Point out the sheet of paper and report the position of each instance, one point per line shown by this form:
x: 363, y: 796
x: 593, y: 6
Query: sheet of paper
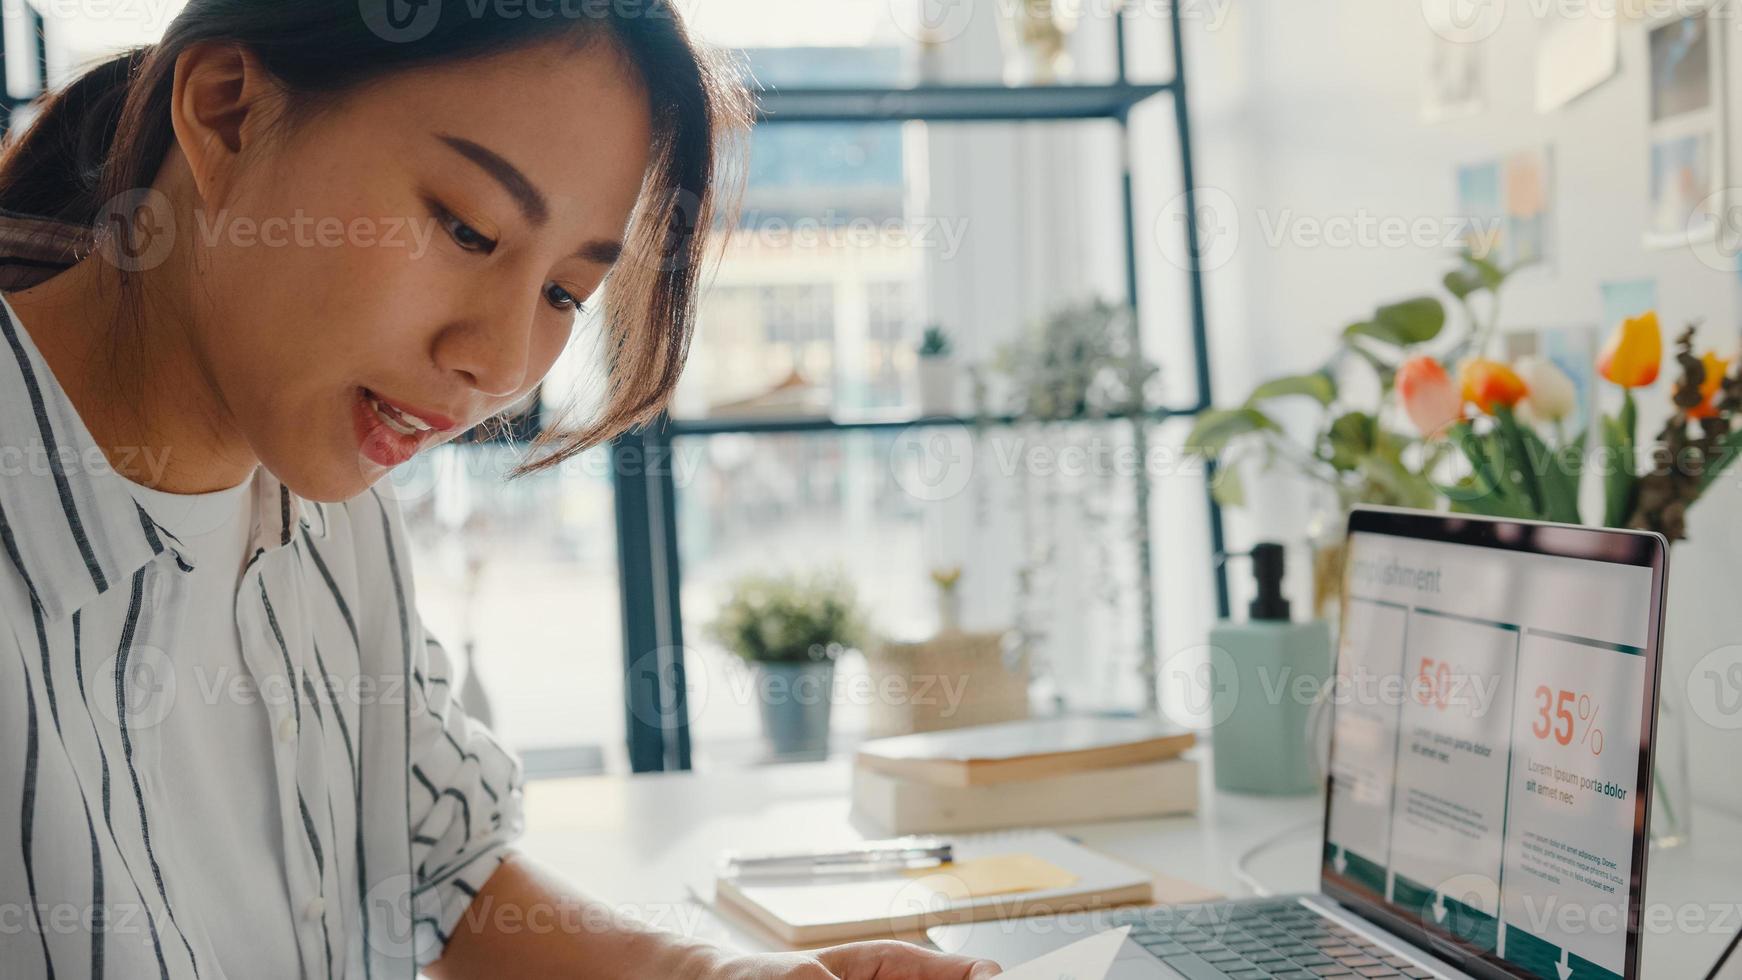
x: 1088, y: 959
x: 996, y: 874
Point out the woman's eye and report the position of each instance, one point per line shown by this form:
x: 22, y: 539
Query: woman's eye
x: 562, y: 299
x: 467, y: 237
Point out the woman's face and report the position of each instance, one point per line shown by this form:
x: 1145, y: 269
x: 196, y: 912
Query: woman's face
x: 419, y: 250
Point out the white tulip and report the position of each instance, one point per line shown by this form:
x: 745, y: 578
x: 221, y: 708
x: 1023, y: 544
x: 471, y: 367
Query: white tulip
x: 1552, y: 395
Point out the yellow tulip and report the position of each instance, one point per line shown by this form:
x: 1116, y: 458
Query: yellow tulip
x: 1490, y: 384
x: 1634, y: 353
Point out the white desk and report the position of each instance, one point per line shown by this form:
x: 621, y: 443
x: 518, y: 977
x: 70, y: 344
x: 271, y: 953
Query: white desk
x: 640, y: 842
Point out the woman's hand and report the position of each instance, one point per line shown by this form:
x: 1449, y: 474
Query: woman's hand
x: 859, y: 961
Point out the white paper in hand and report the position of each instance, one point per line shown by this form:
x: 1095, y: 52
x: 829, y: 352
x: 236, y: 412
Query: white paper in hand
x: 1089, y: 959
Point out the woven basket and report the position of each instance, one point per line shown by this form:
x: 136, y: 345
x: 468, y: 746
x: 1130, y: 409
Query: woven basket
x: 954, y: 680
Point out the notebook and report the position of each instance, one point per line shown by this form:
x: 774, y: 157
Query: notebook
x: 1022, y: 750
x: 1000, y: 876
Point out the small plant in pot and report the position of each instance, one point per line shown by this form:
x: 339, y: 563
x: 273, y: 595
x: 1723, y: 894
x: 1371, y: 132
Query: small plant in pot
x: 937, y: 372
x: 789, y: 630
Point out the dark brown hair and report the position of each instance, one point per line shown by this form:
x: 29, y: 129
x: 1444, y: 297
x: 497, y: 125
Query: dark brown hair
x: 102, y: 139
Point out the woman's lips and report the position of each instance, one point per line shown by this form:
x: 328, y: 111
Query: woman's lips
x: 379, y: 442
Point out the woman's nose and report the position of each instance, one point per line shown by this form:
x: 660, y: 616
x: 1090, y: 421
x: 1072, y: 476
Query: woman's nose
x: 488, y: 351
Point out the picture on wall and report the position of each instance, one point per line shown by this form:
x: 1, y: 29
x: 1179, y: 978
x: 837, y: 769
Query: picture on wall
x: 1479, y: 206
x: 1681, y: 67
x: 1529, y: 200
x: 1683, y: 175
x: 1508, y: 208
x: 1686, y: 130
x: 1456, y: 86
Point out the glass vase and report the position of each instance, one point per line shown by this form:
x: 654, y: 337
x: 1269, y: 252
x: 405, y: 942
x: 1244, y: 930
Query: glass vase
x: 1672, y: 794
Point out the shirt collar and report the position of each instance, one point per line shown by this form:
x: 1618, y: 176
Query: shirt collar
x: 68, y: 521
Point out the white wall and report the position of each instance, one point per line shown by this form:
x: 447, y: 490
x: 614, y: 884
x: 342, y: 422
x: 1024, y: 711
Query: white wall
x: 1313, y: 107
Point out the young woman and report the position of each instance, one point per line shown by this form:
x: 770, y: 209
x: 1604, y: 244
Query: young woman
x: 246, y: 271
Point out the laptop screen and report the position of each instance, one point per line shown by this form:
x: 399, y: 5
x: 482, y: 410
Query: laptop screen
x: 1490, y: 715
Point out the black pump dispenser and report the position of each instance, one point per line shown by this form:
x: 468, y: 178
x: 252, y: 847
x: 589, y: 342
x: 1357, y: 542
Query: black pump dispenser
x: 1267, y: 568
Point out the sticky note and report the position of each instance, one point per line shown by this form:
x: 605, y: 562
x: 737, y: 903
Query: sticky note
x: 997, y: 874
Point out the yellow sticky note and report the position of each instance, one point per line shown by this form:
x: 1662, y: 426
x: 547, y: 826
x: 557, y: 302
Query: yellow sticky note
x: 998, y: 874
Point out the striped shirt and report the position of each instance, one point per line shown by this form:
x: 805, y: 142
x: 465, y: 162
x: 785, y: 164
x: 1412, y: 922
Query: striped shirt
x: 393, y: 806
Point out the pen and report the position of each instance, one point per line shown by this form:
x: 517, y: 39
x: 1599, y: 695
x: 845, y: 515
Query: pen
x: 911, y: 852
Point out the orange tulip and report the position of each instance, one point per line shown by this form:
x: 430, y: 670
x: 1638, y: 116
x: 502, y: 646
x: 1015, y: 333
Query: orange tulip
x: 1427, y: 395
x: 1491, y: 384
x: 1716, y: 368
x: 1634, y: 352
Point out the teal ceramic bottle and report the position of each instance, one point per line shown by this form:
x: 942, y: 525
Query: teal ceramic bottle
x: 1270, y: 674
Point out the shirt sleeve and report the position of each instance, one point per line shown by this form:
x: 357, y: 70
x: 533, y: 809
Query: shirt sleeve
x: 466, y: 803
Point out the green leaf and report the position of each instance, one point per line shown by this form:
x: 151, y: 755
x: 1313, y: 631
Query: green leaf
x: 1560, y: 480
x: 1318, y: 386
x: 1462, y: 283
x: 1619, y: 480
x: 1486, y: 490
x: 1386, y: 370
x: 1517, y: 462
x: 1721, y: 460
x: 1351, y: 436
x: 1404, y: 324
x: 1490, y: 274
x: 1471, y: 497
x: 1220, y: 426
x: 1228, y: 488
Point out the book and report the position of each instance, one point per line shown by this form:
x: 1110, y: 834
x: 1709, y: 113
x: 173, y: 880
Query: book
x: 994, y: 876
x: 904, y: 806
x: 1023, y: 750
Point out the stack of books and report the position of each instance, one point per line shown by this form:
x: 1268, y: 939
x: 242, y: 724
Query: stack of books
x: 1038, y: 773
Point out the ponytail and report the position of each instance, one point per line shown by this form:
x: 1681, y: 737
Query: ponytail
x: 55, y: 167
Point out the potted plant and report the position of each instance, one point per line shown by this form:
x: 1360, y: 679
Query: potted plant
x: 955, y: 679
x: 949, y: 598
x: 1036, y: 35
x: 937, y: 373
x: 789, y: 630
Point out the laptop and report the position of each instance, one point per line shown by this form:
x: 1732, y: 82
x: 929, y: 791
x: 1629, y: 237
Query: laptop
x: 1730, y: 964
x: 1493, y: 714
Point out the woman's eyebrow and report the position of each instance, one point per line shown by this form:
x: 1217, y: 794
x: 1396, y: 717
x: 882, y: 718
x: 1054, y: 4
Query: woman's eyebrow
x: 530, y: 200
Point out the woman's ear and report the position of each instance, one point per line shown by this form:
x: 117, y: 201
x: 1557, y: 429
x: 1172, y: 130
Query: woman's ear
x: 220, y: 102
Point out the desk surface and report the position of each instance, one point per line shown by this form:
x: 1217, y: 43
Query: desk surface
x: 641, y: 843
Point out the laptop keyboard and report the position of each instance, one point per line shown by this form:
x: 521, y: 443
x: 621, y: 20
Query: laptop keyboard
x: 1279, y: 940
